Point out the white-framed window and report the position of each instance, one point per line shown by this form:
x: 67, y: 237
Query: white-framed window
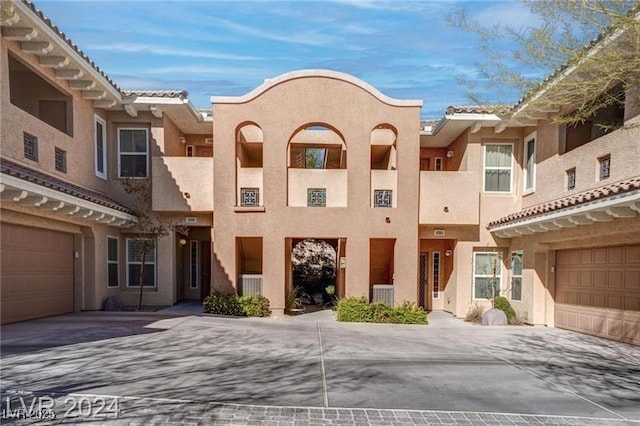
x: 113, y: 269
x: 438, y: 164
x: 516, y: 275
x: 436, y: 274
x: 529, y: 163
x: 487, y: 274
x: 498, y: 167
x: 133, y: 150
x: 316, y: 197
x: 194, y: 276
x: 382, y: 198
x: 135, y: 248
x: 100, y: 145
x: 189, y: 150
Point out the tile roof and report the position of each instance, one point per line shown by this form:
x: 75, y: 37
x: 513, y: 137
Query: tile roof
x: 68, y: 41
x: 478, y: 109
x: 181, y: 94
x: 616, y: 188
x: 28, y: 174
x: 428, y: 123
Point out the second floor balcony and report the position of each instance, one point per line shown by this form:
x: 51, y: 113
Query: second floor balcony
x: 182, y: 183
x: 449, y: 198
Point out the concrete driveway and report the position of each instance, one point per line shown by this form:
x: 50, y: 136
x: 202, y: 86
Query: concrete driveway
x: 155, y: 361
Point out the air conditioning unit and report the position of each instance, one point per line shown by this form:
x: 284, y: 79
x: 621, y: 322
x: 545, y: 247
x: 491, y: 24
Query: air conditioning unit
x: 383, y: 293
x: 250, y: 284
x: 208, y: 141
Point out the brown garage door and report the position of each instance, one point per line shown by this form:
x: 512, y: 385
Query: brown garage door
x: 598, y: 291
x: 37, y: 273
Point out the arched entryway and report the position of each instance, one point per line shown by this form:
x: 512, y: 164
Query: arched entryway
x: 314, y: 272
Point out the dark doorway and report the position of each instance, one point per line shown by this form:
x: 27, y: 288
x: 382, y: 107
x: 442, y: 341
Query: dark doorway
x: 314, y: 266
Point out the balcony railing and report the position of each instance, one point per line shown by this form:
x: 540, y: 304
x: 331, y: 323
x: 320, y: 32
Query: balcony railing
x: 182, y: 183
x: 450, y: 198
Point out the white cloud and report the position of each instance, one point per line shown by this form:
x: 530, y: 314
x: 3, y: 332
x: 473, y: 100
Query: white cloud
x: 514, y: 14
x: 165, y: 51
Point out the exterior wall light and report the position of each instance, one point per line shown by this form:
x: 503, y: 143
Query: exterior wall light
x: 448, y: 252
x: 449, y: 154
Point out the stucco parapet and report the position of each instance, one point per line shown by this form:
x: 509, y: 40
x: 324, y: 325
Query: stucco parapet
x: 315, y: 73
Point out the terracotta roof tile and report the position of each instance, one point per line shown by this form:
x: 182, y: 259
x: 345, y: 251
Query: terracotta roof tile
x: 498, y: 109
x: 181, y: 94
x: 615, y: 188
x: 28, y: 174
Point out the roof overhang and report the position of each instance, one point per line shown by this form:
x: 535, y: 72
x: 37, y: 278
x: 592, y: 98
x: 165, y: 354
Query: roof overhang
x: 180, y: 110
x: 452, y: 125
x: 29, y: 194
x: 601, y: 210
x: 36, y: 35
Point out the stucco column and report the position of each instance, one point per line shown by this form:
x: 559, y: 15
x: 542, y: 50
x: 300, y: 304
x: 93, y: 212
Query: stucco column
x: 357, y: 271
x: 406, y: 270
x: 274, y: 266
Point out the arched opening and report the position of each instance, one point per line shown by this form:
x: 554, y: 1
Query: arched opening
x: 317, y: 163
x: 249, y: 142
x: 313, y: 272
x: 383, y: 166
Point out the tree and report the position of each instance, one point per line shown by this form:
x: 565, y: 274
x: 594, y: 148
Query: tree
x: 314, y: 265
x: 150, y: 226
x: 584, y: 48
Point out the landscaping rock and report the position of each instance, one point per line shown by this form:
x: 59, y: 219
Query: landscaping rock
x: 494, y: 317
x: 113, y: 303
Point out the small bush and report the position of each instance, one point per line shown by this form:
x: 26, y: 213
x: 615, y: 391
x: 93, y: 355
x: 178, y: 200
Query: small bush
x: 475, y: 313
x: 503, y: 304
x: 255, y: 305
x: 231, y: 304
x: 358, y: 309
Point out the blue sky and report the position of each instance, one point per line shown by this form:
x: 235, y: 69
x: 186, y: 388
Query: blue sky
x: 405, y: 49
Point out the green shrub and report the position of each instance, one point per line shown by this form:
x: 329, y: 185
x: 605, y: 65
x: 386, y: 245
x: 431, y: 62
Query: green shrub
x: 354, y: 309
x: 255, y: 305
x: 358, y: 309
x: 503, y: 304
x: 231, y: 304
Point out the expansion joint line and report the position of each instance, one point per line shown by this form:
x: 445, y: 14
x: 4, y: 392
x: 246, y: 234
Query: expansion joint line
x: 325, y: 394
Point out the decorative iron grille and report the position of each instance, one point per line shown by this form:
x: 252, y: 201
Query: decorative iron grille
x: 382, y: 198
x: 316, y: 197
x: 249, y: 197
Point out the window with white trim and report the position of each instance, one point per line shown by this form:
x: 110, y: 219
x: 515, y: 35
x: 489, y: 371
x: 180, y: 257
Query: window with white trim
x: 438, y: 164
x: 487, y: 274
x: 135, y: 250
x: 100, y: 143
x: 516, y: 275
x: 529, y: 163
x: 193, y: 262
x: 498, y: 167
x: 133, y: 150
x: 112, y: 262
x: 436, y: 275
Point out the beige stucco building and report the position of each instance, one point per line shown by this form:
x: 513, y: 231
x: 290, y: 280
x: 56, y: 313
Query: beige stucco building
x: 426, y: 212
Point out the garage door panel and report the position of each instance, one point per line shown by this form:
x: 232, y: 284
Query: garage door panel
x: 37, y: 273
x: 601, y: 294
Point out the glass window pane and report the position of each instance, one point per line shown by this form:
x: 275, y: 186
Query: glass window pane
x: 126, y: 140
x: 516, y: 288
x: 140, y: 140
x: 315, y: 158
x: 484, y: 288
x: 112, y: 249
x: 516, y: 264
x: 498, y: 155
x: 113, y: 275
x: 133, y: 165
x: 497, y: 180
x: 149, y: 275
x: 485, y: 263
x: 135, y: 248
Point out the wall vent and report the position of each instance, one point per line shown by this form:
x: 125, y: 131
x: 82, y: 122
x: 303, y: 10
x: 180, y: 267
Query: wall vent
x: 250, y: 284
x: 208, y: 141
x: 383, y: 293
x: 191, y: 219
x: 438, y: 232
